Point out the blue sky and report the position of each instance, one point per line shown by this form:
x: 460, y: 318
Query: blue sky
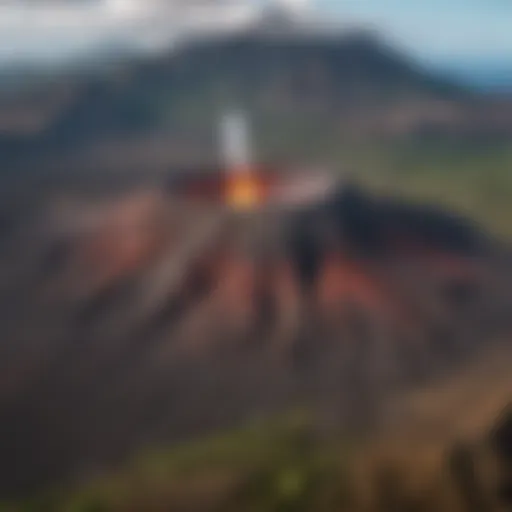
x: 440, y: 29
x: 437, y: 30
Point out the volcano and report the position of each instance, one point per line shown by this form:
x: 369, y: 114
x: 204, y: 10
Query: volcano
x: 156, y: 316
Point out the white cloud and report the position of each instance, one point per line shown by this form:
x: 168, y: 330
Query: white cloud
x: 31, y: 28
x: 54, y: 28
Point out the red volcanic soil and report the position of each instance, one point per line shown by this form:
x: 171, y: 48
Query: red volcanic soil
x: 343, y: 280
x: 153, y: 318
x: 334, y: 254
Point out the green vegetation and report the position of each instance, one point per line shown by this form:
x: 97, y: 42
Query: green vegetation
x: 288, y: 465
x: 274, y: 469
x: 472, y: 180
x: 273, y: 466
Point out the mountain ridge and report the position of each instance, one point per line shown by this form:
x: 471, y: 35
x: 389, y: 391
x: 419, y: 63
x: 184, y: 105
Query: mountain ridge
x: 278, y: 76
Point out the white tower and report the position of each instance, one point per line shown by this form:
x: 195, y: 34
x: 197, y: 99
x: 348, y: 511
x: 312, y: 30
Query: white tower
x: 235, y: 141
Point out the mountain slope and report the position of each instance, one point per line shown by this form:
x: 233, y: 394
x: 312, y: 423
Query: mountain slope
x: 153, y: 320
x: 293, y: 79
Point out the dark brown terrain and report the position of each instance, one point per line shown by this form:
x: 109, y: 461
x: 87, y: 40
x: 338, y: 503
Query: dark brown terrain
x: 145, y: 318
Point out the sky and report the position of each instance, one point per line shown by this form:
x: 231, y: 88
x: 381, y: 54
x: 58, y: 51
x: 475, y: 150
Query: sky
x: 441, y: 29
x: 431, y: 29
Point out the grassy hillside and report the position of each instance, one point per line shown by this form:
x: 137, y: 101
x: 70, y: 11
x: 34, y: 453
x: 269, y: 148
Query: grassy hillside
x: 184, y: 90
x: 421, y: 459
x: 473, y: 180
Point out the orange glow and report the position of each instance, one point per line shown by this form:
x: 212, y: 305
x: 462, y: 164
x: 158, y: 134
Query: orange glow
x: 244, y: 190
